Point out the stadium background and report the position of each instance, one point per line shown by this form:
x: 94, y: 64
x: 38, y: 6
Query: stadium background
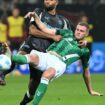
x: 73, y: 10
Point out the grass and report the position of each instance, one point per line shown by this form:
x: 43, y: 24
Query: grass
x: 66, y: 90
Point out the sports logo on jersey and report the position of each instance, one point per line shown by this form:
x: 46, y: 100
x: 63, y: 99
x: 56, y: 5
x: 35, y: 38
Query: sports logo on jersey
x: 70, y: 56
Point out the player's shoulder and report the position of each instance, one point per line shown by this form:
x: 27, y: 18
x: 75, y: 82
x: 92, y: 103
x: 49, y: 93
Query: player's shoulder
x: 67, y: 22
x: 62, y: 17
x: 39, y: 10
x: 64, y: 31
x: 86, y: 50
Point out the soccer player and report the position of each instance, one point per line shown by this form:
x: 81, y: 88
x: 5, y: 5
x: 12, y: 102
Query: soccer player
x: 39, y: 40
x: 59, y: 55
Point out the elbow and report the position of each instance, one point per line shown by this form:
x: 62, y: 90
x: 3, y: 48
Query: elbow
x: 32, y: 30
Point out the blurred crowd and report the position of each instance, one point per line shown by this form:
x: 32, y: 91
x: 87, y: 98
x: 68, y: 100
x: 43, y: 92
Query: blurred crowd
x: 12, y: 29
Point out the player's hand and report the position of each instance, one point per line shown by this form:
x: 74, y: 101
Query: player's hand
x: 83, y: 43
x: 57, y: 38
x: 94, y: 93
x: 5, y: 44
x: 29, y: 14
x: 4, y: 47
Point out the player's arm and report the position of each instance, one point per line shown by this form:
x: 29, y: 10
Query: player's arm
x: 86, y: 75
x: 33, y: 29
x: 87, y: 79
x: 42, y: 26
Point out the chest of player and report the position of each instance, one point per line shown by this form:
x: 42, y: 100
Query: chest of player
x: 70, y: 46
x: 72, y: 54
x: 52, y: 20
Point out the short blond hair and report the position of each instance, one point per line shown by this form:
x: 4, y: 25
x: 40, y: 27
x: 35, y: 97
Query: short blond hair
x: 84, y: 24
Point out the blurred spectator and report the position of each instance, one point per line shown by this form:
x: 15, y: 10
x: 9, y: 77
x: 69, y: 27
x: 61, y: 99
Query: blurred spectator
x: 6, y: 5
x: 15, y: 28
x: 32, y: 1
x: 84, y: 2
x: 80, y: 1
x: 3, y: 31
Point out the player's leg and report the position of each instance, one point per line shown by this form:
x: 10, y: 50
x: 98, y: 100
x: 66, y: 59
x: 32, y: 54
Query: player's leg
x: 55, y: 68
x: 35, y: 76
x: 4, y: 73
x: 25, y: 48
x: 13, y: 65
x: 33, y: 84
x: 2, y: 82
x: 25, y: 59
x: 6, y: 51
x: 42, y: 88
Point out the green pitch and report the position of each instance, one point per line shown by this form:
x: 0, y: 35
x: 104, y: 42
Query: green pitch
x: 66, y: 90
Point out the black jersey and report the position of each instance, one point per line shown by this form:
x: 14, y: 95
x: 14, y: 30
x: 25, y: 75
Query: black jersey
x: 52, y: 21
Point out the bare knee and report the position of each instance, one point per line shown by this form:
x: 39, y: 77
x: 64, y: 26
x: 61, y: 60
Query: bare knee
x: 49, y: 74
x: 34, y: 59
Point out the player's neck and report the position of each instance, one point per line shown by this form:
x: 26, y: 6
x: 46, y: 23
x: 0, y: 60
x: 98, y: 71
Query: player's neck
x: 52, y: 12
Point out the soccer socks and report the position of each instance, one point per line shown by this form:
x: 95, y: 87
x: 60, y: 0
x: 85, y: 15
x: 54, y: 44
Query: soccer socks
x: 27, y: 98
x: 20, y: 59
x: 41, y: 90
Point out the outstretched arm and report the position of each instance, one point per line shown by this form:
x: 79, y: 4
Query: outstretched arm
x: 87, y: 79
x: 86, y: 73
x: 33, y: 30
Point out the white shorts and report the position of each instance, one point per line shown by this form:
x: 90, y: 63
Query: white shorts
x: 47, y: 60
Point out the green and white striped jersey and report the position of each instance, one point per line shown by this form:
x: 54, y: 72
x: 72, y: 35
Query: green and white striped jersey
x: 69, y: 50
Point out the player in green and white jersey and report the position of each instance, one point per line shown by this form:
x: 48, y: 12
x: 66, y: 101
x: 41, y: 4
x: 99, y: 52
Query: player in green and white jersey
x: 59, y: 55
x: 68, y: 48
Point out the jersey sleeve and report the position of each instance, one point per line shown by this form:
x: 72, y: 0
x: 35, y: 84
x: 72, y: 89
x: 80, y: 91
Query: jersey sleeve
x: 85, y: 58
x: 65, y: 33
x: 38, y: 12
x: 72, y: 26
x: 68, y: 24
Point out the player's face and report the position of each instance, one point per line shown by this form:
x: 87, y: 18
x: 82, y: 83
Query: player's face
x: 50, y: 4
x: 80, y: 32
